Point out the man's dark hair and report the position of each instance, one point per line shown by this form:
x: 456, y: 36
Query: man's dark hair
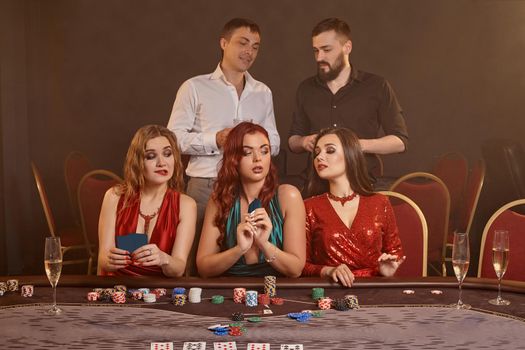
x: 335, y: 24
x: 236, y: 23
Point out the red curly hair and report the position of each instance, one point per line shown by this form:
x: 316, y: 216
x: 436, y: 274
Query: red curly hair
x: 228, y: 185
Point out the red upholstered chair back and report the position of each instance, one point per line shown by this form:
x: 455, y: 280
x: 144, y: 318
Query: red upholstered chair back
x: 91, y: 191
x: 471, y: 197
x: 452, y: 168
x: 413, y: 233
x: 76, y: 165
x: 431, y: 196
x: 505, y: 218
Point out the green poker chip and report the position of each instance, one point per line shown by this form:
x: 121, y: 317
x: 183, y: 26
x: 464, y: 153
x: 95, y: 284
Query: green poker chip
x: 254, y: 319
x: 217, y: 299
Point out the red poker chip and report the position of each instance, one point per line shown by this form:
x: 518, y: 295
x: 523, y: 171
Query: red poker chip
x: 277, y: 301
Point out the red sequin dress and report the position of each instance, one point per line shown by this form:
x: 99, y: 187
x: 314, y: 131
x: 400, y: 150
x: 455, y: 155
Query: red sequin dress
x: 163, y: 234
x: 329, y: 242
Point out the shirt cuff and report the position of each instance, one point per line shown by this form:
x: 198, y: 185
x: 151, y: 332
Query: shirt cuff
x: 210, y: 143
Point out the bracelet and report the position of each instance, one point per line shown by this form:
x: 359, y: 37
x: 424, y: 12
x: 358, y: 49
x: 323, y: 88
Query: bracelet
x: 273, y: 257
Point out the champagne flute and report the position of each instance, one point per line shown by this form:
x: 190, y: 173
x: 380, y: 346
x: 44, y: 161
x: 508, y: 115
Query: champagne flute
x: 460, y: 262
x: 53, y: 265
x: 500, y: 260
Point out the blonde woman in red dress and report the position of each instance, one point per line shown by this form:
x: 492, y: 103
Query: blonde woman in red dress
x: 350, y: 230
x: 149, y: 201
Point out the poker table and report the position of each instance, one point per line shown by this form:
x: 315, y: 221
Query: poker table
x: 388, y: 316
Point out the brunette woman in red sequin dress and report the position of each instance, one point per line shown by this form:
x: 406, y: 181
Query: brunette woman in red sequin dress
x: 149, y: 201
x: 350, y: 230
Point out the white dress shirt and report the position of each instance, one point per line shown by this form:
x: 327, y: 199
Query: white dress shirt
x: 208, y: 103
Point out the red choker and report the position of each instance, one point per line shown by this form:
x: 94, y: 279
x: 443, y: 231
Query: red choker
x: 342, y: 200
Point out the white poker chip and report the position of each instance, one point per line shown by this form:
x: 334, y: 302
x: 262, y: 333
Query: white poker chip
x: 436, y: 291
x: 215, y: 326
x: 408, y: 291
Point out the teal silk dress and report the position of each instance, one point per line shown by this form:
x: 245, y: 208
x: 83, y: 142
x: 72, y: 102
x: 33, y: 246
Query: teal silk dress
x: 261, y: 268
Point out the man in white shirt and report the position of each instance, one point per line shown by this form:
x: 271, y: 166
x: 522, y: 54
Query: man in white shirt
x: 208, y: 106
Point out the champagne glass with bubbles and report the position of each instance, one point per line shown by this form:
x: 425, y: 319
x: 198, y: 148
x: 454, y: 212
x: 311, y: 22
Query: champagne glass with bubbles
x: 53, y: 265
x: 460, y: 262
x: 500, y: 260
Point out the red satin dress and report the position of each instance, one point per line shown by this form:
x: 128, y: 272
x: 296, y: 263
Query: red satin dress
x: 163, y: 234
x: 329, y: 242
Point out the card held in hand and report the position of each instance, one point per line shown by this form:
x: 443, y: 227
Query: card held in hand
x: 256, y: 203
x: 132, y: 241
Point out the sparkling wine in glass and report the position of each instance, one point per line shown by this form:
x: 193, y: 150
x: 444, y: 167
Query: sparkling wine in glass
x: 460, y: 262
x: 53, y: 265
x: 500, y: 260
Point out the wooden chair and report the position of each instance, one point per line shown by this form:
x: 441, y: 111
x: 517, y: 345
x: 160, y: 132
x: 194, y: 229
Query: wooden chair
x: 90, y: 194
x: 505, y: 218
x: 76, y: 165
x: 413, y: 232
x: 431, y: 195
x: 74, y: 249
x: 453, y: 169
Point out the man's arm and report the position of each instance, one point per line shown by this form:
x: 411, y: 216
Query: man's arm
x: 384, y: 145
x: 300, y: 144
x: 269, y: 125
x: 299, y: 138
x: 182, y: 119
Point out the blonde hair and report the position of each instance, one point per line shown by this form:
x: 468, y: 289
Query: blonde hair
x: 134, y: 179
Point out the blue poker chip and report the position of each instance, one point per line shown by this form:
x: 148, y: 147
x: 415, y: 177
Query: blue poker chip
x: 221, y: 333
x: 179, y: 290
x: 300, y: 316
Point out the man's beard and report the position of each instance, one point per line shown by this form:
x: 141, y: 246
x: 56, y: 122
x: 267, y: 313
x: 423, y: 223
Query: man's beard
x: 333, y: 72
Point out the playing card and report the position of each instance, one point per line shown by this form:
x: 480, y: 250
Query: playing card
x: 256, y: 203
x: 190, y: 345
x: 227, y: 345
x: 258, y: 346
x: 267, y: 312
x: 291, y: 346
x: 162, y: 346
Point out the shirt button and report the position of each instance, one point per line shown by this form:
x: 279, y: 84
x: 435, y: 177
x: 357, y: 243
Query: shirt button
x: 334, y: 106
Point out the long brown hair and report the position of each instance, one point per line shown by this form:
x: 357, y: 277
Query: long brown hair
x: 228, y: 185
x: 355, y: 164
x: 134, y: 179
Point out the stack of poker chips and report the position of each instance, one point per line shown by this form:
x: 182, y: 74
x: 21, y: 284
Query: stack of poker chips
x: 217, y: 299
x: 27, y: 290
x: 12, y: 285
x: 264, y: 299
x: 238, y: 295
x: 106, y: 294
x: 351, y: 301
x: 92, y: 296
x: 3, y: 288
x: 144, y: 291
x: 270, y: 286
x: 135, y: 294
x: 179, y: 299
x: 251, y: 298
x: 236, y: 329
x: 277, y: 301
x: 317, y: 293
x: 219, y: 330
x: 324, y: 303
x: 340, y: 305
x: 300, y: 316
x: 118, y: 297
x: 149, y: 298
x: 160, y: 292
x: 194, y: 295
x: 178, y: 290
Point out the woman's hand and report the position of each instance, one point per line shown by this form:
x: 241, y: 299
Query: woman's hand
x: 388, y: 264
x: 245, y: 234
x: 341, y: 274
x: 118, y: 259
x: 150, y: 255
x: 260, y: 219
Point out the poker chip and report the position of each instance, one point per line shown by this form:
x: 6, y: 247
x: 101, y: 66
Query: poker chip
x: 317, y: 293
x: 277, y: 301
x: 263, y: 299
x: 92, y: 296
x: 27, y: 290
x: 160, y: 292
x: 351, y: 301
x: 178, y: 290
x: 3, y: 287
x: 237, y: 316
x: 118, y: 297
x: 408, y: 291
x: 251, y: 298
x: 12, y: 285
x: 340, y: 305
x: 179, y: 300
x: 300, y: 316
x: 194, y: 295
x: 317, y: 314
x: 1, y: 293
x: 270, y: 286
x: 436, y: 291
x: 238, y: 295
x: 254, y: 319
x: 235, y: 331
x: 149, y: 298
x: 217, y: 299
x: 324, y: 303
x: 120, y: 288
x: 144, y: 290
x: 137, y: 295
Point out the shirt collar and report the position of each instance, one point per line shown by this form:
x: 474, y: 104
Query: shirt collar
x: 219, y: 74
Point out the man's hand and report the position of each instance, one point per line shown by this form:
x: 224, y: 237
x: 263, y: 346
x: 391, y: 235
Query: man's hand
x: 221, y: 136
x: 308, y: 142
